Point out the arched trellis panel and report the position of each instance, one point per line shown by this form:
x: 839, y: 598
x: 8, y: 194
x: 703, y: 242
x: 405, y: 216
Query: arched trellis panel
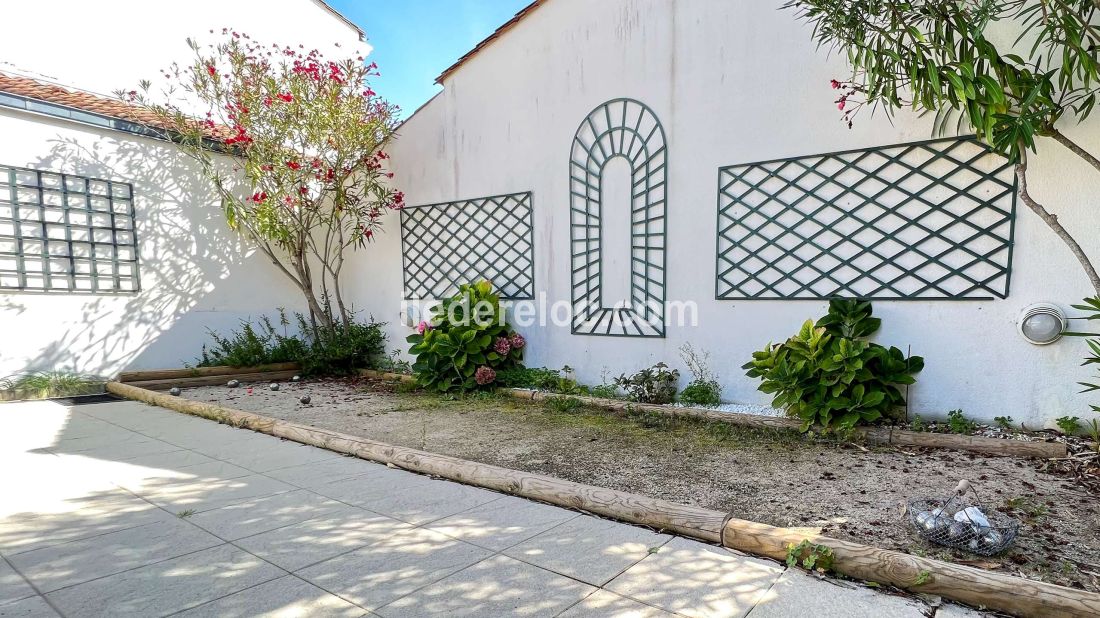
x: 629, y: 129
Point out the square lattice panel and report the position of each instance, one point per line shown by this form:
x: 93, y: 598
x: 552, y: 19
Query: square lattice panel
x: 926, y: 220
x: 63, y: 233
x: 447, y: 244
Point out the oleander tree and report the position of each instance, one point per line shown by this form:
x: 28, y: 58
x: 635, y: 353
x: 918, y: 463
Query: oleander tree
x: 1012, y: 72
x: 292, y: 143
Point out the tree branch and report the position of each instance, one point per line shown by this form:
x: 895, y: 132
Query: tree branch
x: 1074, y: 147
x: 1052, y: 221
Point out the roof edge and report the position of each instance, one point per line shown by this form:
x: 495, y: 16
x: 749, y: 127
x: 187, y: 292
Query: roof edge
x: 505, y: 27
x: 338, y: 15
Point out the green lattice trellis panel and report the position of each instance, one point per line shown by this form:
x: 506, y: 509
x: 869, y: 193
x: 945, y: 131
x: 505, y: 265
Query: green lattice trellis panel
x: 451, y: 243
x: 619, y: 128
x: 62, y: 233
x: 924, y: 220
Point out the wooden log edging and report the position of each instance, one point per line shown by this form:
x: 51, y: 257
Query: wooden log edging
x: 200, y: 372
x: 214, y: 380
x: 874, y: 435
x: 965, y: 584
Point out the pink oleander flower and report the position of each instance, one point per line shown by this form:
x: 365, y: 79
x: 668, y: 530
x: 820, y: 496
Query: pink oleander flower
x: 502, y: 346
x: 484, y: 375
x: 423, y: 327
x: 517, y: 341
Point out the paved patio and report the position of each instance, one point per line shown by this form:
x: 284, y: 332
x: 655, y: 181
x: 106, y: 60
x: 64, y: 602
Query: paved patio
x: 123, y: 509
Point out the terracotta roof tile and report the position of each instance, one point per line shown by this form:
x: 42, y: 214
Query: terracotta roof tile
x: 87, y: 102
x: 84, y: 101
x: 506, y: 26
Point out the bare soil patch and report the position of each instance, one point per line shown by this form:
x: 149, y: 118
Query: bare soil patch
x: 780, y: 478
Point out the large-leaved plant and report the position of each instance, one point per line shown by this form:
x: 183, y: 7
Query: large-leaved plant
x: 829, y: 375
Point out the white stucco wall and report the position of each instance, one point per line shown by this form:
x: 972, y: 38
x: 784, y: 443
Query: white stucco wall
x: 195, y: 272
x: 732, y: 82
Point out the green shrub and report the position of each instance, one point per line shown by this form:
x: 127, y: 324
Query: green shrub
x: 656, y: 384
x: 704, y: 389
x: 539, y: 378
x: 958, y: 423
x: 466, y: 342
x: 44, y: 384
x: 1004, y: 422
x: 1069, y: 425
x: 605, y: 391
x: 339, y: 350
x: 828, y: 375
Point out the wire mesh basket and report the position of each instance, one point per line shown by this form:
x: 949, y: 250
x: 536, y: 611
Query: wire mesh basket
x: 955, y: 522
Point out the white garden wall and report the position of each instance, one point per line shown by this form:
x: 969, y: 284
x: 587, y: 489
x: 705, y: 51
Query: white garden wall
x: 195, y: 273
x: 732, y: 82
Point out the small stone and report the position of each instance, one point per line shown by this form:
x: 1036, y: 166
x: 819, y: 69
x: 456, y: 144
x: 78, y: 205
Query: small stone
x: 296, y: 378
x: 175, y: 391
x: 274, y: 386
x: 304, y: 399
x: 233, y: 383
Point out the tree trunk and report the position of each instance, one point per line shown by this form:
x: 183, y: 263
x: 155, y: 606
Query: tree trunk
x: 1052, y: 221
x: 1075, y: 148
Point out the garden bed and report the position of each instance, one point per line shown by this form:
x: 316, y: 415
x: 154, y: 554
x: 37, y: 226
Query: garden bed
x: 850, y: 492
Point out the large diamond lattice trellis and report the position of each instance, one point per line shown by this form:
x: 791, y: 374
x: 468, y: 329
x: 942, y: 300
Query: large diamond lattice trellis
x: 619, y: 128
x: 447, y: 244
x: 924, y: 220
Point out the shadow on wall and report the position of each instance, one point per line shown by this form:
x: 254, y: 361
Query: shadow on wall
x: 185, y: 250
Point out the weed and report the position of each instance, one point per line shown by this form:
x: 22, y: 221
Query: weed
x: 605, y: 391
x: 185, y: 514
x: 1069, y: 425
x: 406, y: 387
x: 564, y: 404
x: 958, y: 423
x: 1094, y: 433
x: 918, y: 424
x: 810, y: 556
x: 923, y: 577
x: 1030, y: 509
x: 1004, y: 422
x: 704, y: 389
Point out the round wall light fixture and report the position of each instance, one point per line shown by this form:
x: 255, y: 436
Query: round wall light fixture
x: 1042, y: 323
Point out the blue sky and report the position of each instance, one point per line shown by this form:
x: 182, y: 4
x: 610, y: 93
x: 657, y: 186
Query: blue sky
x: 414, y: 40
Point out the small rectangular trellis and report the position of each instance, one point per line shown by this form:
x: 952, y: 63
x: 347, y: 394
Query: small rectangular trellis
x: 66, y: 233
x: 924, y: 220
x: 486, y: 238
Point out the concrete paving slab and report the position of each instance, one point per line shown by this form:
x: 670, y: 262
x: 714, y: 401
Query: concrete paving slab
x: 33, y: 607
x: 383, y: 572
x: 12, y: 585
x: 432, y: 500
x: 166, y: 587
x: 795, y: 592
x: 263, y: 514
x: 499, y: 586
x: 589, y: 549
x: 267, y: 454
x: 286, y: 597
x: 698, y: 580
x: 604, y: 604
x: 201, y: 494
x: 76, y: 519
x: 322, y: 473
x: 502, y: 523
x: 300, y: 545
x: 365, y: 490
x: 950, y: 610
x: 71, y: 563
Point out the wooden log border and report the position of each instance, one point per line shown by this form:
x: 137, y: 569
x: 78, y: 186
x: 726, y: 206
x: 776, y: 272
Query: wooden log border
x: 214, y: 380
x: 874, y: 435
x: 965, y: 584
x: 200, y: 372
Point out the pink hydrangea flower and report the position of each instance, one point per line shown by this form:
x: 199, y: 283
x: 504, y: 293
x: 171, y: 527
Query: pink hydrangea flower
x: 517, y: 341
x: 502, y: 346
x: 484, y: 375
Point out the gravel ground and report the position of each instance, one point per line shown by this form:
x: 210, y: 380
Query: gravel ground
x: 779, y: 478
